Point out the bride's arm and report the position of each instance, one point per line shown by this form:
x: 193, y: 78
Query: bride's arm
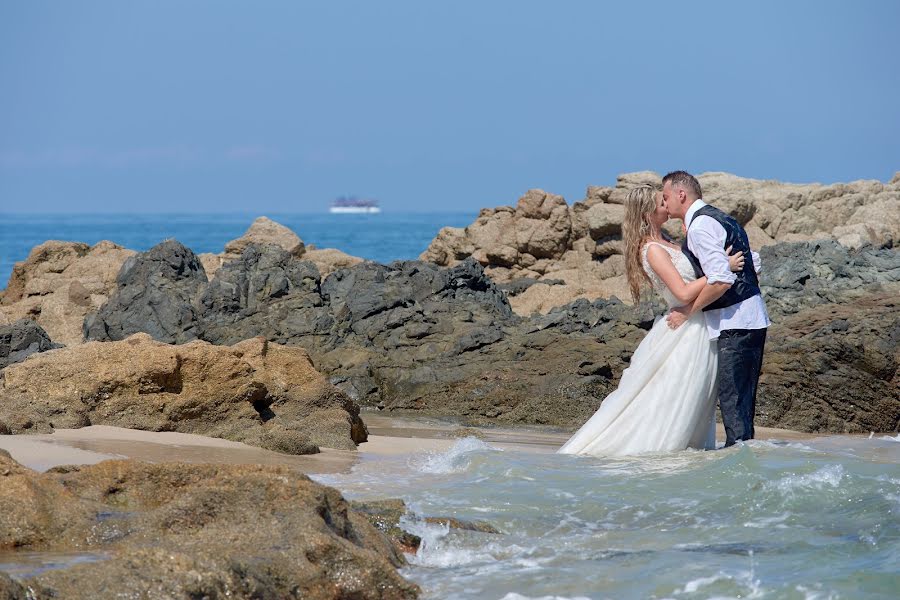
x: 661, y: 263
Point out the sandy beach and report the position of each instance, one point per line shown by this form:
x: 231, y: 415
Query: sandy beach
x: 388, y: 436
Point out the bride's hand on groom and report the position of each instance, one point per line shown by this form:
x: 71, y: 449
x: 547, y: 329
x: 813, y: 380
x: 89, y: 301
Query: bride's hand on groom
x: 678, y: 316
x: 735, y: 261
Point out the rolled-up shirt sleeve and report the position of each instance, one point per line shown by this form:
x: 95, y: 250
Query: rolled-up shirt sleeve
x: 706, y: 239
x: 757, y: 262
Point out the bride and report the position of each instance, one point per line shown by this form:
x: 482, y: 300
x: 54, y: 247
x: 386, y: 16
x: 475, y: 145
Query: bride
x: 666, y: 398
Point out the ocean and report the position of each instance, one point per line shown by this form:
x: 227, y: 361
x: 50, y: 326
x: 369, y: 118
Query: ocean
x: 817, y: 520
x: 382, y: 237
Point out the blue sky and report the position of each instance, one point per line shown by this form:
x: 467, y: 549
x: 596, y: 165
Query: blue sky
x: 432, y: 106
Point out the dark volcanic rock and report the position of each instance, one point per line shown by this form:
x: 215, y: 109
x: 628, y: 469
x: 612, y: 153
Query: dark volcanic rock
x: 21, y: 339
x: 155, y: 294
x: 412, y: 336
x: 266, y: 291
x: 194, y: 531
x: 834, y: 368
x: 805, y: 274
x: 831, y: 361
x: 517, y: 286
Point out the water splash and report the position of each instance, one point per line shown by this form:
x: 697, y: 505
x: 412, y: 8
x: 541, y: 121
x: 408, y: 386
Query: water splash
x: 453, y: 460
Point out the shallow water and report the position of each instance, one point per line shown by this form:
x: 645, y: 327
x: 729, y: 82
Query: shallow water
x: 812, y: 520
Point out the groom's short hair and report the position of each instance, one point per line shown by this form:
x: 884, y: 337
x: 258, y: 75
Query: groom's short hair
x: 684, y: 179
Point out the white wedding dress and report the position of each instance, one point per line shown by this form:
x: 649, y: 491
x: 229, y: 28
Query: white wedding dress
x: 666, y: 399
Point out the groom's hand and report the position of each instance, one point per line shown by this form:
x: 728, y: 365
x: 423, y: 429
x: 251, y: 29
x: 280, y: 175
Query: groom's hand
x: 678, y: 316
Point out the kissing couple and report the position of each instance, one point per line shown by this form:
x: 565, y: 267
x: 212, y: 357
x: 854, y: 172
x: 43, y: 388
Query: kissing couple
x: 709, y: 347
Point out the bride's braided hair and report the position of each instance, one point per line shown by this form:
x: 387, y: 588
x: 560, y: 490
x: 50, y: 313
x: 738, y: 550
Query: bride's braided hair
x: 641, y: 202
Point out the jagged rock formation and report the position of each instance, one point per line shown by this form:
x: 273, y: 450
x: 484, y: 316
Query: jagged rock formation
x: 20, y: 340
x: 253, y: 392
x: 154, y: 292
x: 409, y: 335
x: 543, y: 239
x: 61, y: 282
x: 192, y: 531
x: 412, y: 336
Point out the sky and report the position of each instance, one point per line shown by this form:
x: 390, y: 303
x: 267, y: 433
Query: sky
x: 226, y: 106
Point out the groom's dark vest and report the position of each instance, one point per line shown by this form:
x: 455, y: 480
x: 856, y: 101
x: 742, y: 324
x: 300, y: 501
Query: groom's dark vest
x: 747, y: 284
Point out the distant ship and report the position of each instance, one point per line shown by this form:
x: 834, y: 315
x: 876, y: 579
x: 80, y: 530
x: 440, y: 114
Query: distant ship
x: 354, y: 205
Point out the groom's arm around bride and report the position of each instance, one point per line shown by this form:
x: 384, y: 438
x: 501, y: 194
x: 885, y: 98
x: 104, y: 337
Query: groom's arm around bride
x: 732, y: 304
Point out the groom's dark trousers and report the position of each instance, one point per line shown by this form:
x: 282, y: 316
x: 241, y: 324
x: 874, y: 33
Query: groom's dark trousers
x: 740, y: 361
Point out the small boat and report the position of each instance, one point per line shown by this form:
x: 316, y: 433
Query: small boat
x: 354, y: 205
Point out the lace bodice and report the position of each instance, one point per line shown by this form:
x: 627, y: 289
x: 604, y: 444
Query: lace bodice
x: 682, y: 265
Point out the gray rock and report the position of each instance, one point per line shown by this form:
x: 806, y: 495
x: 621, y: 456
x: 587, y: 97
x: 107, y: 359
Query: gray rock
x: 155, y: 294
x: 517, y: 286
x: 802, y: 275
x: 265, y: 292
x: 21, y: 339
x: 413, y: 336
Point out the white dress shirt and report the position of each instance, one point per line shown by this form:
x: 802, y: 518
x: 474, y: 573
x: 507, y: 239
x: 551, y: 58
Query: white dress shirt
x: 706, y: 239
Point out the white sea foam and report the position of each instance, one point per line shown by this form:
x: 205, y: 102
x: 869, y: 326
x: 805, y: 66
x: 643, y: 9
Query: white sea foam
x: 515, y: 596
x: 809, y: 594
x: 452, y: 460
x: 772, y: 444
x: 829, y: 476
x: 692, y: 586
x: 776, y: 521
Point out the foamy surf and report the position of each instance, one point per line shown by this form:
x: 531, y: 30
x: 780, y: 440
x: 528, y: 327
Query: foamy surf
x: 812, y: 521
x: 453, y: 460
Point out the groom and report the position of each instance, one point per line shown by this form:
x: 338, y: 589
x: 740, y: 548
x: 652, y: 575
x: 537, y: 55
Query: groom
x: 731, y: 302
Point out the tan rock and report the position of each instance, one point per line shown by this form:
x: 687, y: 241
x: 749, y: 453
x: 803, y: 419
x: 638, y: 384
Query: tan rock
x: 265, y: 231
x: 60, y: 282
x: 450, y: 245
x: 329, y: 260
x: 544, y: 237
x: 626, y: 181
x: 192, y: 530
x: 604, y: 220
x: 211, y: 263
x: 253, y: 392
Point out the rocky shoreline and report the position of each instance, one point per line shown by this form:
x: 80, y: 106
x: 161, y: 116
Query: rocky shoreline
x: 204, y: 531
x: 412, y: 336
x: 416, y: 337
x: 512, y: 321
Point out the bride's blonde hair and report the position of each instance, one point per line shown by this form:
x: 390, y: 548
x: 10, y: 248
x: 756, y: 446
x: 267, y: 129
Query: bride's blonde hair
x: 639, y: 205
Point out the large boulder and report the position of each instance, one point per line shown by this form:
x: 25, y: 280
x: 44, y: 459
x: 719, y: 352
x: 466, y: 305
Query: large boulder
x: 253, y: 392
x: 155, y: 293
x: 832, y: 362
x: 60, y: 283
x: 265, y: 231
x: 834, y: 367
x: 20, y: 340
x: 542, y: 239
x: 193, y: 531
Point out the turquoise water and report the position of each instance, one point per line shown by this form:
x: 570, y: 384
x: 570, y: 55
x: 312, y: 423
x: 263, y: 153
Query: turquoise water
x: 383, y: 237
x: 812, y: 520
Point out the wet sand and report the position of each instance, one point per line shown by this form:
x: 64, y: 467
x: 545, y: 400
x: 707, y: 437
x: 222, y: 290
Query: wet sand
x: 388, y: 435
